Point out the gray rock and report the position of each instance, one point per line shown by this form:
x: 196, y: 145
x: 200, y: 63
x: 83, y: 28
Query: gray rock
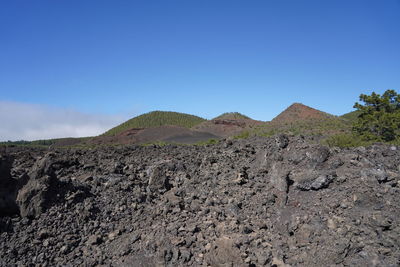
x: 311, y: 180
x: 158, y: 181
x: 33, y: 198
x: 375, y: 174
x: 279, y: 177
x: 322, y: 182
x: 241, y: 177
x: 318, y: 155
x: 94, y: 240
x: 281, y: 141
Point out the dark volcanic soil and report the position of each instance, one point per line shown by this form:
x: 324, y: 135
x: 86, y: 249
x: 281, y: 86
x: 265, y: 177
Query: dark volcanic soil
x: 299, y: 112
x: 257, y: 202
x: 167, y: 133
x: 226, y: 127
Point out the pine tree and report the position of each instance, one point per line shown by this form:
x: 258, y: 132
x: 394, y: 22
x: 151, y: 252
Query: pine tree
x: 379, y: 117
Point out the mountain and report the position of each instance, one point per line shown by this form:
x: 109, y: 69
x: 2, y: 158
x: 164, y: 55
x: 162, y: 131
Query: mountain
x: 157, y: 119
x: 175, y: 127
x: 299, y: 119
x: 232, y: 116
x: 227, y: 124
x: 299, y: 112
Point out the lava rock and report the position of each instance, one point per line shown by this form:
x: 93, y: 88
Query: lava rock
x: 282, y: 141
x: 8, y: 187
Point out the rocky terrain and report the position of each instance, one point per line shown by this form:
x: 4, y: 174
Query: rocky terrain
x: 281, y: 201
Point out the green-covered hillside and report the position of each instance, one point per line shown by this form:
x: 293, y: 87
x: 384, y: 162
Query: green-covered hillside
x: 231, y: 116
x: 351, y: 116
x: 321, y: 127
x: 157, y: 118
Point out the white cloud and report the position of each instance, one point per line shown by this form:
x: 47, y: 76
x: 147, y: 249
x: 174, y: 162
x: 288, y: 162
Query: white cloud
x: 21, y: 121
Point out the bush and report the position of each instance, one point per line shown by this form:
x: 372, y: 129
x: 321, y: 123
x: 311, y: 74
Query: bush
x: 379, y: 117
x: 211, y: 141
x: 345, y: 140
x: 242, y: 135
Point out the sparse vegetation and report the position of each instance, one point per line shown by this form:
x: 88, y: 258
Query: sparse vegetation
x: 326, y: 127
x: 345, y: 140
x: 211, y: 141
x: 242, y: 135
x: 156, y: 143
x: 155, y: 119
x: 68, y: 141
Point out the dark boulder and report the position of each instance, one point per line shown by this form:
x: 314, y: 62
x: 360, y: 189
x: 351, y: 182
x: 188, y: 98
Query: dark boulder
x: 318, y: 155
x: 281, y: 141
x: 44, y: 189
x: 8, y: 187
x: 159, y: 179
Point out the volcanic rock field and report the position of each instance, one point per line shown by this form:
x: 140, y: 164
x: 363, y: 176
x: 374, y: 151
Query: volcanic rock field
x: 279, y: 201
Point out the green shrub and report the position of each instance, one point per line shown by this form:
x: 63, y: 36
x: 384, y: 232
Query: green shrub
x: 345, y: 140
x: 156, y: 143
x: 242, y: 135
x: 211, y: 141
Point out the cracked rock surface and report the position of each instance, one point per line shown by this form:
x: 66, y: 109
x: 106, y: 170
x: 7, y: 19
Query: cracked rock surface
x: 282, y: 201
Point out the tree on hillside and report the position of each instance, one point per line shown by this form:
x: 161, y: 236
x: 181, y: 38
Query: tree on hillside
x: 379, y: 117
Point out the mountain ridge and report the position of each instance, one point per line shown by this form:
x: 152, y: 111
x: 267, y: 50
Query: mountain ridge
x: 159, y: 125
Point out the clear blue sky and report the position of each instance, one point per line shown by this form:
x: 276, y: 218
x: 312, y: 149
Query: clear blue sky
x: 200, y: 57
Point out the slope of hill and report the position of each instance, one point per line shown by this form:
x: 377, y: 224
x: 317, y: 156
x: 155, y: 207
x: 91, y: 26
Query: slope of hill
x: 66, y: 141
x: 299, y: 112
x: 351, y: 116
x: 297, y: 119
x: 300, y: 119
x: 232, y: 116
x: 156, y: 119
x: 174, y: 127
x: 165, y: 133
x: 227, y: 124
